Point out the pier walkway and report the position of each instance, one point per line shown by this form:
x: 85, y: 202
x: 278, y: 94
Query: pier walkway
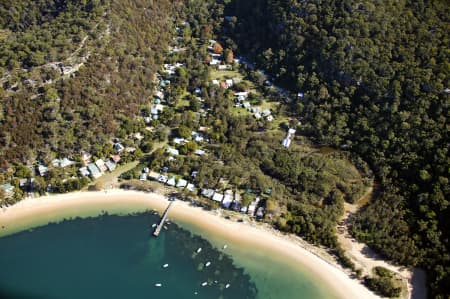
x: 163, y: 219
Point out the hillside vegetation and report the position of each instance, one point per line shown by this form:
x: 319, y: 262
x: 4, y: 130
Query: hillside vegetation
x: 375, y: 77
x: 53, y: 116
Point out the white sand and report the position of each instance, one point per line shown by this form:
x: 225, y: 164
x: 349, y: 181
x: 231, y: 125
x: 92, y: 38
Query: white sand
x: 39, y: 211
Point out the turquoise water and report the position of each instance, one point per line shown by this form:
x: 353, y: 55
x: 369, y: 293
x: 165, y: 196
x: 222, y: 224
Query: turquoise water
x: 116, y: 257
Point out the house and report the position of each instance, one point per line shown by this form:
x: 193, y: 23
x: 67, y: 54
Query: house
x: 172, y: 151
x: 251, y: 209
x: 101, y: 165
x: 197, y: 137
x: 65, y: 162
x: 199, y: 152
x: 162, y: 179
x: 159, y: 94
x: 55, y: 163
x: 236, y: 205
x: 156, y: 109
x: 118, y: 147
x: 23, y: 183
x: 182, y: 183
x: 190, y: 187
x: 164, y: 83
x: 246, y: 105
x: 237, y: 80
x: 85, y: 157
x: 178, y: 140
x: 130, y: 149
x: 171, y: 182
x: 227, y: 199
x: 286, y: 142
x: 208, y: 193
x: 8, y: 188
x: 153, y: 175
x: 95, y: 172
x: 83, y: 171
x: 198, y: 90
x: 229, y: 83
x: 269, y: 118
x: 215, y: 62
x: 143, y: 176
x: 138, y: 136
x: 217, y: 197
x: 243, y: 94
x: 42, y: 170
x: 115, y: 158
x: 62, y: 163
x: 300, y: 95
x: 27, y: 184
x: 257, y: 115
x: 240, y: 99
x: 110, y: 165
x: 194, y: 174
x: 215, y: 82
x: 222, y: 67
x: 266, y: 112
x: 260, y: 212
x: 256, y: 110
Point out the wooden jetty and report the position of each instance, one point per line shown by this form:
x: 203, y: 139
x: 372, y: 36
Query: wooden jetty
x: 163, y: 219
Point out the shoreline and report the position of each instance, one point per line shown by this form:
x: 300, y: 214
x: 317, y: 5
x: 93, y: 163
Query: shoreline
x: 30, y: 213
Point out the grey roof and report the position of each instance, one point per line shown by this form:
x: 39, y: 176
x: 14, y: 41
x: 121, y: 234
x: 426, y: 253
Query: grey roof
x: 93, y: 169
x: 171, y: 181
x: 110, y: 165
x: 208, y: 193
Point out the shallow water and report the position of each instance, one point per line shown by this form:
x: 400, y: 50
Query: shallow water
x: 116, y: 257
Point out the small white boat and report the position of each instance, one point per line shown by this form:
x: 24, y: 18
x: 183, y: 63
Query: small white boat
x: 165, y: 265
x: 165, y: 227
x: 158, y: 285
x: 204, y: 284
x: 227, y: 286
x: 198, y: 250
x: 154, y: 224
x: 225, y: 246
x: 207, y: 264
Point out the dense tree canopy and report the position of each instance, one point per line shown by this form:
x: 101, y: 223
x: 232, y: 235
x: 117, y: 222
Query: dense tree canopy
x: 101, y: 99
x: 373, y: 76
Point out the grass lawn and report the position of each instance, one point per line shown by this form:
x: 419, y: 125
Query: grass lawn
x: 222, y: 74
x: 110, y: 178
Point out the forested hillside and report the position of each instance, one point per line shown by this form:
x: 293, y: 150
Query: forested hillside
x: 374, y: 77
x: 118, y: 48
x: 35, y: 32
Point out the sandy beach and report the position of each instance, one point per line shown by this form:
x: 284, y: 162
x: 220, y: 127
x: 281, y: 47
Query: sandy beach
x: 40, y: 211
